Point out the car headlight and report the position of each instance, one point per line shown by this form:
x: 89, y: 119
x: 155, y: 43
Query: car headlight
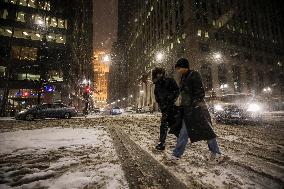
x: 218, y: 107
x: 253, y: 108
x: 23, y: 111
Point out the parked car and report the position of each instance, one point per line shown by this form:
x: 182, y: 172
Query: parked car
x: 96, y: 110
x: 145, y: 109
x: 116, y: 111
x: 57, y: 110
x: 130, y: 110
x: 238, y: 108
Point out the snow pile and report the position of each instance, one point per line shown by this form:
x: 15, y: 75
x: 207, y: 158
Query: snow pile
x: 59, y: 158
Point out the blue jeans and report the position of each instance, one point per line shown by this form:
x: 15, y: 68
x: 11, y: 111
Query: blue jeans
x: 183, y: 139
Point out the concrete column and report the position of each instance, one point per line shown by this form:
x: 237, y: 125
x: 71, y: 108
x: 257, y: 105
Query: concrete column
x: 244, y: 88
x: 215, y: 80
x: 229, y: 77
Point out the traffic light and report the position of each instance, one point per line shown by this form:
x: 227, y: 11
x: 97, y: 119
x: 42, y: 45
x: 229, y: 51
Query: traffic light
x: 88, y: 89
x: 26, y: 94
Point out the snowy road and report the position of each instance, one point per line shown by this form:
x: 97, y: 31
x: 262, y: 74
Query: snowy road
x: 115, y: 151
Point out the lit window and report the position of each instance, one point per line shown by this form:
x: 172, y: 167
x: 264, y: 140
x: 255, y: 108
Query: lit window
x: 24, y: 53
x: 3, y: 14
x: 47, y: 21
x: 183, y: 36
x: 23, y: 3
x: 60, y: 23
x: 172, y: 45
x: 60, y: 39
x: 47, y: 6
x: 53, y: 22
x: 6, y: 32
x: 18, y: 33
x: 220, y: 24
x: 36, y: 36
x: 178, y: 41
x: 199, y: 32
x: 65, y: 24
x: 21, y: 17
x: 206, y: 34
x: 214, y: 23
x: 31, y: 3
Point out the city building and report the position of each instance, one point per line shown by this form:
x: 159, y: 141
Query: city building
x: 45, y: 51
x: 101, y: 76
x: 237, y: 46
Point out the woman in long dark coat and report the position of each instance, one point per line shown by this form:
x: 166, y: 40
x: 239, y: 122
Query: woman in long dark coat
x: 196, y: 121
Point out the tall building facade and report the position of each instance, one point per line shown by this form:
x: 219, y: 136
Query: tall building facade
x: 101, y: 77
x: 46, y: 50
x: 237, y: 46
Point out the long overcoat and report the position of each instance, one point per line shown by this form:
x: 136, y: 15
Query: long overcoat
x: 193, y: 109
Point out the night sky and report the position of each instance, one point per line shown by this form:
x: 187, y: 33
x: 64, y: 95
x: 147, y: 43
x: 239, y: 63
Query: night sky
x: 105, y: 23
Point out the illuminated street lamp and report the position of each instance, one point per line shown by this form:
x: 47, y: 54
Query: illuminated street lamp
x: 267, y: 90
x: 217, y: 56
x: 159, y: 56
x: 106, y: 58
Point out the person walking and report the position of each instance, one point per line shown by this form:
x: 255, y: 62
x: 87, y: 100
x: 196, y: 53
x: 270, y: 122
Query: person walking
x: 166, y: 92
x: 196, y: 120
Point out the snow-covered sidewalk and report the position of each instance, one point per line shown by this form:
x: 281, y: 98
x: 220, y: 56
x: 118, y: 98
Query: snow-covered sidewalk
x: 59, y: 158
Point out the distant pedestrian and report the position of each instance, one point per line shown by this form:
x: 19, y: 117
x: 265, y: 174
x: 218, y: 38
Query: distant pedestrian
x: 196, y: 120
x: 166, y: 92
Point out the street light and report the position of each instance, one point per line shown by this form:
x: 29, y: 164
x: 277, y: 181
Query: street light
x: 267, y: 90
x: 106, y: 58
x: 159, y: 56
x: 217, y: 56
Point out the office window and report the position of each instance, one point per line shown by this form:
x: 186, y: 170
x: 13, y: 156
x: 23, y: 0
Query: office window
x: 12, y: 1
x: 4, y: 31
x: 31, y: 3
x: 21, y: 17
x: 3, y: 13
x: 24, y: 53
x: 61, y: 23
x: 60, y: 38
x: 51, y: 37
x: 28, y: 76
x: 21, y: 34
x: 47, y: 6
x: 2, y: 71
x: 36, y: 36
x: 53, y: 22
x: 206, y: 34
x: 199, y: 33
x: 55, y: 75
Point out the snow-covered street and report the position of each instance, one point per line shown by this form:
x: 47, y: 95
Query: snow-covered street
x: 118, y: 152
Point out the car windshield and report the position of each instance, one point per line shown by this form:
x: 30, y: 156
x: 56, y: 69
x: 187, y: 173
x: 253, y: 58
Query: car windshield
x: 237, y: 98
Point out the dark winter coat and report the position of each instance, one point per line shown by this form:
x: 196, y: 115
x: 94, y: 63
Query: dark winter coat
x: 166, y: 92
x: 193, y: 109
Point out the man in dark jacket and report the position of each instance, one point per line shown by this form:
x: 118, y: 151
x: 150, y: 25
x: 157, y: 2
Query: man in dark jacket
x: 196, y: 121
x: 166, y: 92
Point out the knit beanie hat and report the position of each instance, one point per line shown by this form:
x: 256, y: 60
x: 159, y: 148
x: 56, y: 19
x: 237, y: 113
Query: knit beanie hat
x: 182, y: 63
